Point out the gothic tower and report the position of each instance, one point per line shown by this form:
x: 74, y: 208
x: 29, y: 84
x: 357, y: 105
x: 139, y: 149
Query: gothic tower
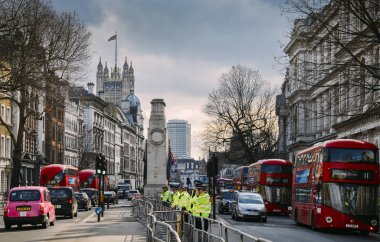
x: 99, y: 77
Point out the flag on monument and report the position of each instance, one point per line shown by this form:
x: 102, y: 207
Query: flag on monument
x: 112, y: 38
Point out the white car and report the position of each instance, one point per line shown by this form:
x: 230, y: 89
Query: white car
x: 249, y: 205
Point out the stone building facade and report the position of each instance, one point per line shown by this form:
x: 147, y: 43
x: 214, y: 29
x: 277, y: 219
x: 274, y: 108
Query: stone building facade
x: 324, y: 96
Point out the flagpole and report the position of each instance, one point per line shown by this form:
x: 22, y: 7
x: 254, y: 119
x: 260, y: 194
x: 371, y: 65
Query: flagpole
x: 116, y: 53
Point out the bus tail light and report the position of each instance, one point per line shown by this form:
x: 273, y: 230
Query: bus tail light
x: 70, y: 200
x: 329, y: 220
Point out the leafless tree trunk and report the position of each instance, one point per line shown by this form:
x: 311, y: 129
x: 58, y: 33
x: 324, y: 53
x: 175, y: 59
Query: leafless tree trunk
x: 242, y: 114
x: 38, y: 45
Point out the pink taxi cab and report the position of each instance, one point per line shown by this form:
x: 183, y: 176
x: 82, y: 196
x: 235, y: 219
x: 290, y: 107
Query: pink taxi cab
x: 28, y: 205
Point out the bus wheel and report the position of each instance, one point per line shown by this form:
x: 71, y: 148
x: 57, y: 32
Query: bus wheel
x: 312, y: 222
x: 296, y: 217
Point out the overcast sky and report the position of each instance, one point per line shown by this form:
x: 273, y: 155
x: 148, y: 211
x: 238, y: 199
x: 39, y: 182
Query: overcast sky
x: 179, y: 48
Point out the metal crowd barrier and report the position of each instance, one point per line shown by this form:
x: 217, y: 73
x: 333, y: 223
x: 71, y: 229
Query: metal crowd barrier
x: 160, y: 224
x: 166, y: 225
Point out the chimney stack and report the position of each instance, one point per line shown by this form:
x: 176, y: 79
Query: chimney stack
x: 90, y: 87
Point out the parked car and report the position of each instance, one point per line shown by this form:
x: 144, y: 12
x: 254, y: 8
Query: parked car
x: 92, y: 193
x: 28, y: 205
x: 226, y: 198
x: 122, y: 190
x: 132, y: 193
x: 111, y: 196
x: 83, y: 200
x: 64, y: 201
x: 249, y: 205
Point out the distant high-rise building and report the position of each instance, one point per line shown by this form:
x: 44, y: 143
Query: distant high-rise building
x: 180, y: 138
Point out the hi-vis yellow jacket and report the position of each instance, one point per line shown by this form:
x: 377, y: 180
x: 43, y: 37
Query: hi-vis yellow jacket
x: 202, y: 206
x: 165, y: 196
x: 175, y: 199
x: 184, y: 201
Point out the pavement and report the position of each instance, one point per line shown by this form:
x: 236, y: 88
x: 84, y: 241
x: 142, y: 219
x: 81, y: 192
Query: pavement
x: 117, y: 225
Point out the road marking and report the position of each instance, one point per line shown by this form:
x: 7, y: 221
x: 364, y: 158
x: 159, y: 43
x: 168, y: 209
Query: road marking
x: 88, y: 218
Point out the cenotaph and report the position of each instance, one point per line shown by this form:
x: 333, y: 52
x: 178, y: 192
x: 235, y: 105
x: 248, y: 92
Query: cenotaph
x: 157, y: 149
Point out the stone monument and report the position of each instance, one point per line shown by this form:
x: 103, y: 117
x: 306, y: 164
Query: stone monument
x: 157, y: 149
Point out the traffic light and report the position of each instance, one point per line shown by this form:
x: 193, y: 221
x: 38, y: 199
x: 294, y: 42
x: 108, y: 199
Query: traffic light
x: 98, y: 164
x: 104, y: 165
x: 212, y: 166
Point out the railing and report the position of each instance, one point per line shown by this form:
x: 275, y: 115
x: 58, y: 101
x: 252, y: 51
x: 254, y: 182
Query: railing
x: 165, y: 224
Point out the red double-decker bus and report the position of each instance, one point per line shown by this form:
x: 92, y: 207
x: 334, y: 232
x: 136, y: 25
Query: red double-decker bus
x: 88, y: 179
x: 224, y: 183
x: 59, y: 175
x: 335, y: 185
x: 240, y: 178
x: 272, y: 178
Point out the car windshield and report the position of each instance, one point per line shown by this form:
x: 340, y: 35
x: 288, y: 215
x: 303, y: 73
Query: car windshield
x: 124, y: 187
x: 90, y: 192
x: 25, y: 195
x: 228, y: 195
x: 251, y: 199
x: 60, y: 193
x: 79, y: 195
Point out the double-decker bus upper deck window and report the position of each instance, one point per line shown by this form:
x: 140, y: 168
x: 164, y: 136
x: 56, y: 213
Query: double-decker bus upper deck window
x: 352, y: 155
x: 56, y: 179
x: 276, y: 169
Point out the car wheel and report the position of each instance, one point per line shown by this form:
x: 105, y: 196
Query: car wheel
x: 19, y: 226
x: 8, y: 226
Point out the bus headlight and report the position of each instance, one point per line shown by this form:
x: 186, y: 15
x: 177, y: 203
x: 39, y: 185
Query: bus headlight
x: 329, y: 220
x: 290, y: 208
x: 373, y: 222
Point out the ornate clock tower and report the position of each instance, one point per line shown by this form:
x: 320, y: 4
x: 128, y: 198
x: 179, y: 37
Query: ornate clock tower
x: 157, y: 149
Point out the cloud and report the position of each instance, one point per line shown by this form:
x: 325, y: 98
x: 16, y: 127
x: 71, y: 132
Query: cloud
x: 179, y: 49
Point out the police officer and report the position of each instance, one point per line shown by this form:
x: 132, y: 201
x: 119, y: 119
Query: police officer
x: 176, y: 195
x: 165, y: 196
x: 201, y: 207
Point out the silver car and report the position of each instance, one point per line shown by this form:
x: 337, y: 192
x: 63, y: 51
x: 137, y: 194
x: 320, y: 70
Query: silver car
x: 249, y: 205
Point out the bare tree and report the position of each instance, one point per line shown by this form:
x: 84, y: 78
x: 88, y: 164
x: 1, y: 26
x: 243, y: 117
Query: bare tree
x: 341, y: 41
x: 38, y: 46
x: 242, y: 114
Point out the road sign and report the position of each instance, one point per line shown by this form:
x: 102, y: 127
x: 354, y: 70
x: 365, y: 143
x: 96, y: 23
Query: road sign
x: 98, y: 210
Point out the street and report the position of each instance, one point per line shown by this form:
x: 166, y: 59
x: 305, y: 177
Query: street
x: 116, y: 225
x: 283, y: 229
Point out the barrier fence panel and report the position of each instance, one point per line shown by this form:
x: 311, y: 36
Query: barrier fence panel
x: 168, y: 225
